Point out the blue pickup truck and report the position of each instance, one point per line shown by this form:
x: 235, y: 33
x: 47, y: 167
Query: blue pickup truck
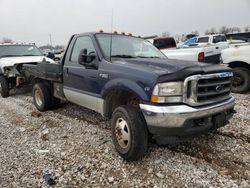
x: 129, y: 81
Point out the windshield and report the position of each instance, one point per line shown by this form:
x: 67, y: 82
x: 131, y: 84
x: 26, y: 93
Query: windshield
x: 19, y: 50
x: 128, y: 47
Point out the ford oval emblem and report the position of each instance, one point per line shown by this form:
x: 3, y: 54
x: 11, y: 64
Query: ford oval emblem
x: 219, y: 88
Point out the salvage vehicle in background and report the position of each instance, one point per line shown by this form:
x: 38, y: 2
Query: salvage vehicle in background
x: 131, y: 82
x: 12, y: 57
x: 206, y: 49
x: 238, y: 58
x: 163, y: 42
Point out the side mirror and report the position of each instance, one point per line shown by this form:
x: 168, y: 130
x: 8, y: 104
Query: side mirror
x: 86, y: 58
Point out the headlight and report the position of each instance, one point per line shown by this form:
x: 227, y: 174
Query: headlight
x: 167, y: 92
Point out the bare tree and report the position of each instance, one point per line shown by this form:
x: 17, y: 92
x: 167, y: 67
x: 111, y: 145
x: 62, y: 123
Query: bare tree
x: 247, y: 29
x: 213, y: 30
x: 7, y: 40
x: 236, y: 30
x: 210, y: 31
x: 196, y: 32
x: 177, y: 38
x: 224, y: 30
x: 166, y: 34
x: 207, y: 32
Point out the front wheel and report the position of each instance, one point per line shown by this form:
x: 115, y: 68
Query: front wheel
x: 129, y: 133
x: 4, y: 87
x: 240, y: 80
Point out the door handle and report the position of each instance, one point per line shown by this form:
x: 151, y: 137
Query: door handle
x: 67, y: 72
x: 217, y: 47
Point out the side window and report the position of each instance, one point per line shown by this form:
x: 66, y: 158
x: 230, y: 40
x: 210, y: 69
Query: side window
x: 202, y: 40
x: 217, y: 39
x: 164, y: 43
x: 80, y: 44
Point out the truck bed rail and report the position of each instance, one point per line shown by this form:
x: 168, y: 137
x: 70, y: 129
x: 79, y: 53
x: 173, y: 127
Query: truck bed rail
x: 47, y: 71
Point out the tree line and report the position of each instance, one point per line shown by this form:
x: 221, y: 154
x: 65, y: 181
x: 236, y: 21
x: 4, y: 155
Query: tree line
x: 226, y: 30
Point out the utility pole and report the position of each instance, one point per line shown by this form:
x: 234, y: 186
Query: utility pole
x: 50, y: 36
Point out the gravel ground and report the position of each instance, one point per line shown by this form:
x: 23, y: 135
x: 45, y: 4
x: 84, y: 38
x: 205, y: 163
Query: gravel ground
x: 74, y: 145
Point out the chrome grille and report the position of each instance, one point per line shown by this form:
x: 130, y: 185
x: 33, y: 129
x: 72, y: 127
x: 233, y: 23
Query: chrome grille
x: 207, y: 89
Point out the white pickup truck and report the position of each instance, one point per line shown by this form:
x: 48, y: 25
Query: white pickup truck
x: 12, y: 57
x: 238, y: 58
x: 206, y: 49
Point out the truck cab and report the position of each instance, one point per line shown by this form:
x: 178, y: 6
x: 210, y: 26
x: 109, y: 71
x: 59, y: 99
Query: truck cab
x: 203, y: 49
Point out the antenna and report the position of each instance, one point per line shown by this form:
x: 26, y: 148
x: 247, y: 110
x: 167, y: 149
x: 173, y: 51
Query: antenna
x: 111, y: 33
x: 50, y: 39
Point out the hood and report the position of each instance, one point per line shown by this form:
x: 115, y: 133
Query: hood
x: 171, y: 68
x: 11, y: 61
x: 159, y: 66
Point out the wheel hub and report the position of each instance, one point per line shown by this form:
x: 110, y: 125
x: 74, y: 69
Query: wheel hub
x: 38, y: 97
x: 122, y: 133
x: 237, y: 80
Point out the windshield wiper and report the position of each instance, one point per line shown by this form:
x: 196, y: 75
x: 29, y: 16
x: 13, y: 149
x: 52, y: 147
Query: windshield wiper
x: 147, y: 56
x: 29, y: 55
x: 124, y: 56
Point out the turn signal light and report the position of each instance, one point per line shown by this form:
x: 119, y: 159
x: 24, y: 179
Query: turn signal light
x: 154, y: 98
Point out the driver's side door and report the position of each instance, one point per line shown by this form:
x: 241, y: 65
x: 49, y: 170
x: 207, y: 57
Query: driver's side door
x: 81, y: 81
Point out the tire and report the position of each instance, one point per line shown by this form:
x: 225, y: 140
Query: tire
x: 129, y: 133
x: 42, y: 97
x: 240, y: 80
x: 4, y: 87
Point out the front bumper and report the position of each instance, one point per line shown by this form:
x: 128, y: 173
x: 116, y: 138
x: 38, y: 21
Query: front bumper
x: 183, y: 120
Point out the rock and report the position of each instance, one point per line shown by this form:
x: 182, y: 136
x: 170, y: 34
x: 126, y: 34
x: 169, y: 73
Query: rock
x: 42, y: 151
x: 159, y: 175
x: 158, y: 161
x: 48, y: 179
x: 106, y: 150
x: 45, y: 135
x: 22, y: 129
x: 36, y: 114
x: 150, y: 170
x: 111, y: 179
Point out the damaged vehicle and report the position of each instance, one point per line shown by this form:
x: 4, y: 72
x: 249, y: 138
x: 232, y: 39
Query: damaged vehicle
x: 142, y: 92
x: 12, y: 57
x: 238, y: 58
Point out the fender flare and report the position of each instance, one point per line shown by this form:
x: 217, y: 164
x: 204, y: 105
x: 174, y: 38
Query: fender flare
x: 125, y: 85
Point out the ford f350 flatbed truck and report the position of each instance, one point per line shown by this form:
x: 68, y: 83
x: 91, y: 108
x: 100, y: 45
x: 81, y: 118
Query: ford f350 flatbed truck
x: 131, y: 82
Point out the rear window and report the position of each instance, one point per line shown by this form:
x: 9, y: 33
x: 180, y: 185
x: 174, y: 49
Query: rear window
x: 164, y: 43
x: 219, y: 38
x: 202, y: 40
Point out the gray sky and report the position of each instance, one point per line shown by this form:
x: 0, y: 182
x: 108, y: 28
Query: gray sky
x: 33, y: 20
